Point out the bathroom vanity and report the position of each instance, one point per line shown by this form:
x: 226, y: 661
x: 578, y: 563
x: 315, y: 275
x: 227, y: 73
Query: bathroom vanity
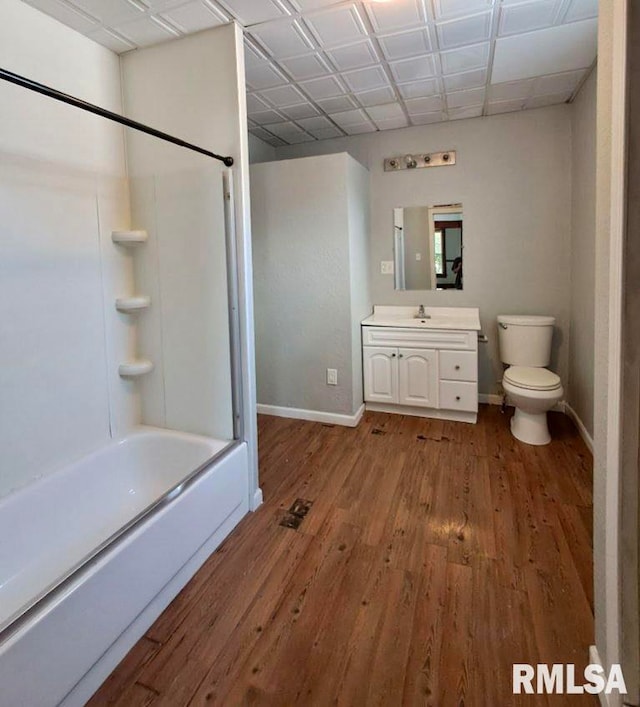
x: 425, y: 366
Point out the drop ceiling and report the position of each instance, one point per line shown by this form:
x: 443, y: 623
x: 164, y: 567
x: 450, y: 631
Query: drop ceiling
x: 317, y: 69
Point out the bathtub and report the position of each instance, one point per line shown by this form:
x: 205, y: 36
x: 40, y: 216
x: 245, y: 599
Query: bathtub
x: 91, y: 555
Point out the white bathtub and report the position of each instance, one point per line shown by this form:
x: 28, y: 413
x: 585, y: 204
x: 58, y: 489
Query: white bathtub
x: 146, y: 514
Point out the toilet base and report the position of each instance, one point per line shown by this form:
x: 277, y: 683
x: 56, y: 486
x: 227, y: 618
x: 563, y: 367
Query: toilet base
x: 530, y: 428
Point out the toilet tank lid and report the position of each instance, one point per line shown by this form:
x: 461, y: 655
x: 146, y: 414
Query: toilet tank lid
x: 526, y: 320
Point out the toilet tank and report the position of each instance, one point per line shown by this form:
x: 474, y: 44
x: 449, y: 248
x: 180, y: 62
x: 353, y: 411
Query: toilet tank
x: 525, y: 340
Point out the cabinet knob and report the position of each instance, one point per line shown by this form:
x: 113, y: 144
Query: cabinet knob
x: 457, y: 397
x: 393, y: 355
x: 399, y: 355
x: 457, y: 368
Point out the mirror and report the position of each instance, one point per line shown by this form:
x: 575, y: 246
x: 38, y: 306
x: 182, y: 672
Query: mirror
x: 427, y: 246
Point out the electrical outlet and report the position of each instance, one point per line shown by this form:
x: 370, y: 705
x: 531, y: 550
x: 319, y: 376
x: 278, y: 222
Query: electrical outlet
x: 386, y: 267
x: 332, y: 376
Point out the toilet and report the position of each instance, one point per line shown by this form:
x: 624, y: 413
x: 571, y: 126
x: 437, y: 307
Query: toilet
x: 525, y: 346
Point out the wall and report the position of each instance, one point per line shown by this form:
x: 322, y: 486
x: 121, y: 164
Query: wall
x: 306, y: 300
x: 579, y: 391
x: 260, y: 151
x: 159, y: 82
x: 513, y: 177
x: 416, y: 240
x: 610, y: 169
x: 62, y: 191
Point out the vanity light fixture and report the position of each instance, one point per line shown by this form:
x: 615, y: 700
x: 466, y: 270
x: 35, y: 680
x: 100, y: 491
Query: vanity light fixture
x: 430, y: 159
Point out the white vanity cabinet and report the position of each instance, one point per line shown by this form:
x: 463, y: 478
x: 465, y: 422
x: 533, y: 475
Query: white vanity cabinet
x: 419, y: 369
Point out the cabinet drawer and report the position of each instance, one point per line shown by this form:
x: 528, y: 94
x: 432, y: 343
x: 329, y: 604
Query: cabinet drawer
x: 459, y: 365
x: 455, y: 395
x: 420, y: 338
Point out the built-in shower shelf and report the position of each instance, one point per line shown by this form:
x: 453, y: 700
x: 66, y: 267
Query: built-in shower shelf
x: 133, y: 304
x: 129, y: 238
x: 133, y: 369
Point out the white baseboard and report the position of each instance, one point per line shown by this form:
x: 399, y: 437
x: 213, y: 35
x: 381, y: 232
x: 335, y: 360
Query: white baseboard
x: 588, y: 439
x: 256, y: 501
x: 330, y: 418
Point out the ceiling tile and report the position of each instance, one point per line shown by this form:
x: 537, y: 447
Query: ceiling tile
x: 360, y: 128
x: 349, y: 117
x: 392, y: 123
x: 76, y: 19
x: 320, y: 122
x: 304, y: 5
x: 327, y: 133
x: 194, y: 16
x: 301, y: 110
x: 334, y: 27
x: 305, y: 67
x: 250, y: 12
x: 282, y: 96
x: 412, y: 69
x: 325, y: 87
x: 528, y: 16
x: 467, y: 112
x: 146, y: 31
x: 353, y: 56
x: 385, y: 112
x: 557, y: 83
x: 548, y: 100
x: 285, y: 130
x: 445, y: 9
x: 505, y: 106
x: 376, y: 97
x: 510, y: 90
x: 405, y: 44
x: 465, y: 58
x: 265, y: 117
x: 428, y: 118
x: 282, y: 39
x: 399, y: 14
x: 110, y: 13
x: 366, y: 79
x: 255, y: 103
x: 581, y: 10
x: 460, y: 99
x: 264, y: 76
x: 418, y: 89
x: 547, y: 51
x: 467, y: 79
x: 111, y: 40
x: 467, y: 30
x: 424, y: 105
x: 336, y: 104
x: 252, y: 55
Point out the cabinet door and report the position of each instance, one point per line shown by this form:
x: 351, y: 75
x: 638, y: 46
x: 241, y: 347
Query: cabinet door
x: 418, y: 374
x: 380, y: 374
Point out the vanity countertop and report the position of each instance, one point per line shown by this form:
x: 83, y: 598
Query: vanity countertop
x: 452, y: 318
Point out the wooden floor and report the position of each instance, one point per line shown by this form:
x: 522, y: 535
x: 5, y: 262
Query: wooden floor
x: 435, y: 555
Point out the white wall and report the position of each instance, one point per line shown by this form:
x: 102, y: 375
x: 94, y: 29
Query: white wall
x: 579, y: 391
x: 513, y: 178
x: 62, y: 191
x: 194, y: 88
x: 303, y: 211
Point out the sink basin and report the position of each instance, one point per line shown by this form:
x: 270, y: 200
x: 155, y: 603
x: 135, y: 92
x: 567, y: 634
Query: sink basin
x: 451, y: 318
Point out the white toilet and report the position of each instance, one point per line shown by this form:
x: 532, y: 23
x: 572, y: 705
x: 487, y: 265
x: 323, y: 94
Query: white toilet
x: 525, y: 345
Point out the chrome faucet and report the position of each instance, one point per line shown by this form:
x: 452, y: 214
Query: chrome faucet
x: 421, y: 313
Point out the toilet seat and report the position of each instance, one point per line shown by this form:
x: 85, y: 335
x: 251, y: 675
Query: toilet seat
x: 529, y: 378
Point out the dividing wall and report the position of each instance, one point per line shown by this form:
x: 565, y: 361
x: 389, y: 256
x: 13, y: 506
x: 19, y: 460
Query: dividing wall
x: 310, y: 239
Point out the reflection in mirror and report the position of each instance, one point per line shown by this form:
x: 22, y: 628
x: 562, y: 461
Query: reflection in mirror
x: 427, y: 244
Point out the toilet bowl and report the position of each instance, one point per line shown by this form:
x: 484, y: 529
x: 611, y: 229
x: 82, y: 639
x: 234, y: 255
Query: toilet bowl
x: 533, y: 392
